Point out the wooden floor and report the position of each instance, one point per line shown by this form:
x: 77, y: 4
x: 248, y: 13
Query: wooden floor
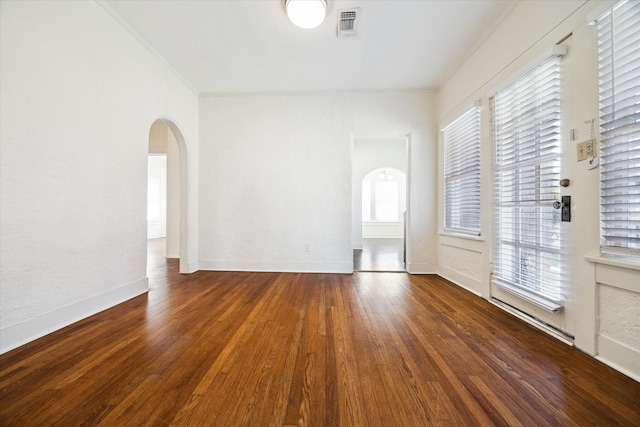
x: 380, y: 255
x: 261, y: 349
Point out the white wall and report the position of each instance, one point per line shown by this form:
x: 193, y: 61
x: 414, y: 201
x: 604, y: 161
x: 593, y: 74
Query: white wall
x: 78, y: 96
x: 531, y: 29
x: 174, y: 197
x: 282, y: 168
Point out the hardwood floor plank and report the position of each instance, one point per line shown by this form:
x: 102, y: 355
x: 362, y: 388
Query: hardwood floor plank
x: 412, y: 389
x: 114, y: 416
x: 304, y: 403
x: 510, y: 376
x: 369, y: 360
x: 348, y: 384
x: 508, y: 417
x: 332, y: 414
x: 223, y: 363
x: 259, y: 349
x: 281, y: 402
x: 476, y: 412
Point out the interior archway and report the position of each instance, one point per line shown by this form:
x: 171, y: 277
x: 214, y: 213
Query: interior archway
x: 383, y: 221
x: 373, y: 156
x: 166, y: 139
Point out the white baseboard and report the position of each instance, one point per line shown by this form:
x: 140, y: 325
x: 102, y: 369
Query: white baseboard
x: 619, y: 356
x: 278, y: 266
x: 358, y: 246
x: 466, y: 282
x: 21, y: 333
x: 188, y: 267
x: 421, y: 268
x: 557, y: 334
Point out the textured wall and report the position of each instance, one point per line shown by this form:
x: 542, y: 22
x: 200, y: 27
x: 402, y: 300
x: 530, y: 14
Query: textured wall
x: 78, y: 97
x: 520, y: 41
x: 276, y: 176
x: 463, y: 261
x: 620, y: 315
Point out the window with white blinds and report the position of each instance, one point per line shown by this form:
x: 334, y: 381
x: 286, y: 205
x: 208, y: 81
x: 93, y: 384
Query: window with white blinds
x: 619, y: 64
x: 527, y: 257
x: 462, y: 174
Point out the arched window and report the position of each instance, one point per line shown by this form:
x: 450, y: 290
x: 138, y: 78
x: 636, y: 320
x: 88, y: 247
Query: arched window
x: 383, y: 195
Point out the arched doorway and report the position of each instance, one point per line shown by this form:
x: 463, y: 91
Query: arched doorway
x: 383, y: 159
x: 166, y: 195
x: 384, y: 205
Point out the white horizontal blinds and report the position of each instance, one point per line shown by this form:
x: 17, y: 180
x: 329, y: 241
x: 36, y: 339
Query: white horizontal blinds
x: 462, y: 174
x: 619, y: 63
x: 528, y: 241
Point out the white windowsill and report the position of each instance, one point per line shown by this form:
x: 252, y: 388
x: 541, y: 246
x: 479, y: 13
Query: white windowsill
x: 629, y: 263
x: 462, y: 241
x: 462, y: 236
x: 530, y: 297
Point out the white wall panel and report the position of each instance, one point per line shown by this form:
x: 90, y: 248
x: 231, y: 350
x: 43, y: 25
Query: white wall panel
x: 78, y: 97
x: 276, y: 176
x: 525, y: 34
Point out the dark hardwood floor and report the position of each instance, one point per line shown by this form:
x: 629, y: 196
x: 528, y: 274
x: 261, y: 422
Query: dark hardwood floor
x: 261, y: 349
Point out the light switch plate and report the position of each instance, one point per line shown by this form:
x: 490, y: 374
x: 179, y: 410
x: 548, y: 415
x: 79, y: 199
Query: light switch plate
x: 586, y: 149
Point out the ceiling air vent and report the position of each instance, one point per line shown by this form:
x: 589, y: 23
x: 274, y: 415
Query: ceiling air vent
x: 347, y: 22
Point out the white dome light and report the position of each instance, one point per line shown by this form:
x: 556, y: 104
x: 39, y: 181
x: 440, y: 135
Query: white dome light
x: 306, y: 14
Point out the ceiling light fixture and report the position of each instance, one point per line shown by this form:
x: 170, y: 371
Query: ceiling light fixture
x: 306, y: 14
x: 385, y: 175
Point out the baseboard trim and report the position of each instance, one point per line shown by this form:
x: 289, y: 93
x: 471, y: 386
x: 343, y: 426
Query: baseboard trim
x: 278, y: 267
x: 619, y: 356
x: 22, y: 333
x: 421, y: 268
x: 188, y: 267
x: 549, y: 330
x: 465, y: 282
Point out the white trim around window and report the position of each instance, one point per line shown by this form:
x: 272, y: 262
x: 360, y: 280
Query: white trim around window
x: 619, y: 77
x: 462, y: 174
x: 527, y: 259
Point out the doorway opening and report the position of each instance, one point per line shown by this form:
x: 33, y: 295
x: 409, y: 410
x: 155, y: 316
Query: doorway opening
x: 163, y: 196
x: 380, y: 204
x: 383, y: 221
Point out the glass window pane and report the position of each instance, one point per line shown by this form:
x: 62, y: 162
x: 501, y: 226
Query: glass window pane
x: 366, y: 201
x: 386, y: 196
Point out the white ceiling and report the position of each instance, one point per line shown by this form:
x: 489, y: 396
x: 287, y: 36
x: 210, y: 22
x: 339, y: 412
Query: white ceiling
x: 250, y: 46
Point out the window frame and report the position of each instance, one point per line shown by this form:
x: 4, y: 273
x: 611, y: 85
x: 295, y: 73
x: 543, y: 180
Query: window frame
x: 527, y: 136
x: 462, y: 174
x: 619, y: 121
x: 370, y: 202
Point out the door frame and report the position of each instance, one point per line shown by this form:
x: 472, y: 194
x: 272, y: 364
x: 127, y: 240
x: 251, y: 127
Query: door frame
x: 356, y: 205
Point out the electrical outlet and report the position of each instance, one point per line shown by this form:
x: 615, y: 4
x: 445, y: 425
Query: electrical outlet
x: 306, y: 247
x: 586, y: 149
